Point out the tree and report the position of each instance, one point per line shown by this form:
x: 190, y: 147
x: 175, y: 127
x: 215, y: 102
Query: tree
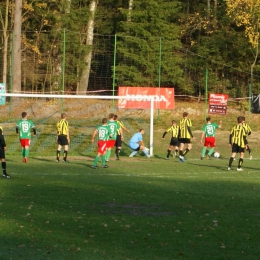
x: 246, y: 14
x: 4, y: 22
x: 17, y: 46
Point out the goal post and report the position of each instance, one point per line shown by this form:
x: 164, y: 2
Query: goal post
x: 55, y: 96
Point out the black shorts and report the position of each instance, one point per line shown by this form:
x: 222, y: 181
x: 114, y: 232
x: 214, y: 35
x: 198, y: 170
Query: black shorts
x: 118, y: 142
x: 174, y: 142
x: 62, y: 140
x: 2, y: 153
x: 185, y: 141
x: 237, y: 149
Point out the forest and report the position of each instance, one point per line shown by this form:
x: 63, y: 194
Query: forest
x: 95, y: 46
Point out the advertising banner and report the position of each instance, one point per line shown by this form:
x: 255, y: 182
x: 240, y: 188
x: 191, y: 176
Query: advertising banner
x: 218, y: 104
x: 139, y: 97
x: 2, y: 90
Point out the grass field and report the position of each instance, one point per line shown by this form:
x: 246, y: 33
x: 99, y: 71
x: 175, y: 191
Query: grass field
x: 138, y: 208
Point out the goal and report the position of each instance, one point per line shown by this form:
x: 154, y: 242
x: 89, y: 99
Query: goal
x: 84, y: 115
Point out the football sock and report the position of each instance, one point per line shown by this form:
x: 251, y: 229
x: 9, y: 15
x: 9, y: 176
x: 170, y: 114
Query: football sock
x: 65, y: 154
x: 23, y: 152
x: 204, y: 149
x: 108, y: 153
x: 4, y: 167
x: 240, y: 162
x: 249, y: 150
x: 133, y: 153
x: 211, y: 151
x: 168, y: 153
x: 96, y: 160
x: 145, y: 152
x: 26, y: 152
x: 103, y: 159
x: 181, y: 153
x: 58, y: 155
x: 185, y: 151
x: 176, y: 151
x: 231, y: 159
x: 117, y: 152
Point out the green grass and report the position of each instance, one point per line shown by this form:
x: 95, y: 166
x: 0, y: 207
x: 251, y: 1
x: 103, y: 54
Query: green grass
x: 138, y: 208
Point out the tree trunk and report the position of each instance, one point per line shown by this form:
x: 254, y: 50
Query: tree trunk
x: 5, y: 39
x: 17, y: 47
x: 130, y: 8
x: 84, y: 80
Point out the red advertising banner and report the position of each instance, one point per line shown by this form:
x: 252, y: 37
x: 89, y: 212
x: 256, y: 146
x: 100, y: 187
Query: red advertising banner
x: 218, y: 104
x: 139, y: 97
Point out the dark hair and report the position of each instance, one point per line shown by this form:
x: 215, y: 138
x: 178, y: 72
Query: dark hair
x: 243, y: 118
x: 208, y: 118
x: 185, y: 114
x: 63, y: 115
x: 173, y: 121
x: 104, y: 120
x: 115, y: 117
x: 111, y: 115
x: 24, y: 114
x: 240, y: 119
x: 141, y: 129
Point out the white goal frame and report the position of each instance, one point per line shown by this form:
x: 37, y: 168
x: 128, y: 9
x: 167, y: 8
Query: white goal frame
x: 151, y: 98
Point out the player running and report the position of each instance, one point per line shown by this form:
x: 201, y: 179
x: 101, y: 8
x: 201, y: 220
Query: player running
x: 23, y: 128
x: 209, y: 133
x: 185, y: 136
x: 174, y: 129
x: 238, y: 142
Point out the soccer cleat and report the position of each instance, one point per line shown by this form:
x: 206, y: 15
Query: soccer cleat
x: 229, y: 168
x: 25, y: 160
x: 57, y: 161
x: 208, y: 157
x: 65, y: 161
x: 104, y: 166
x: 166, y: 158
x: 148, y: 156
x: 117, y: 158
x: 6, y: 176
x: 131, y: 156
x: 107, y: 160
x: 201, y: 157
x: 181, y: 158
x: 250, y: 156
x: 94, y: 167
x: 239, y: 169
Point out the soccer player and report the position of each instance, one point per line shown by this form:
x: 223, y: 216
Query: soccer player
x: 248, y: 132
x: 209, y: 132
x: 136, y: 143
x: 119, y: 137
x: 238, y: 142
x: 174, y: 129
x: 2, y: 154
x: 23, y: 128
x: 63, y: 138
x: 185, y: 136
x: 114, y: 127
x: 104, y: 133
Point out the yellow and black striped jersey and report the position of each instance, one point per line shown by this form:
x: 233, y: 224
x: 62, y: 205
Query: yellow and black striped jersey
x: 185, y: 128
x: 247, y: 128
x: 120, y: 126
x: 62, y: 127
x: 174, y: 130
x: 238, y: 136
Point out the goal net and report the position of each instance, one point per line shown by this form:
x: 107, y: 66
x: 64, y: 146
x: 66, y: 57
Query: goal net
x: 84, y: 114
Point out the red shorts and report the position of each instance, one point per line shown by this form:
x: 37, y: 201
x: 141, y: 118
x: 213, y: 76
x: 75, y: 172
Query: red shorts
x: 111, y: 143
x: 102, y: 146
x: 25, y: 142
x: 210, y: 141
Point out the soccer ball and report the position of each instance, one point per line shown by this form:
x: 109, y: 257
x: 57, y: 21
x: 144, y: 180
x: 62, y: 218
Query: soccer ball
x: 216, y: 154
